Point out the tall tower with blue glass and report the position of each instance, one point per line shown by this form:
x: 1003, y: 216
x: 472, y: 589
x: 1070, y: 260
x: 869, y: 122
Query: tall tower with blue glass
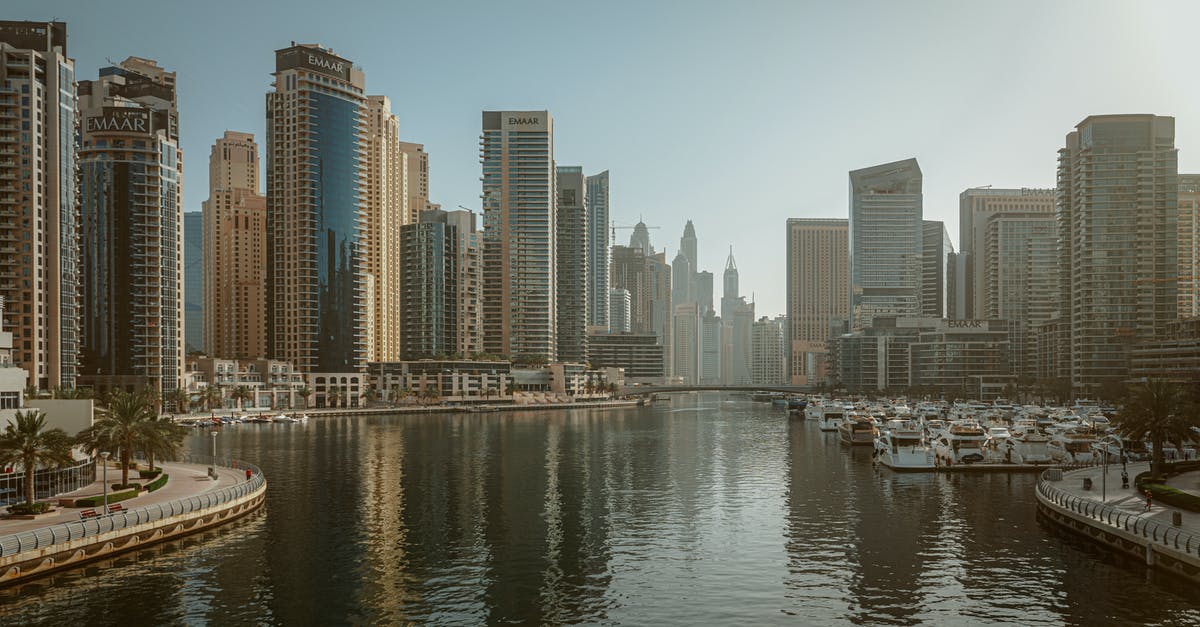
x: 315, y: 202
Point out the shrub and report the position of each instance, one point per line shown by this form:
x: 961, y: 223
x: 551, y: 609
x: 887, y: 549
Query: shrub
x: 157, y: 483
x: 149, y: 474
x: 1171, y: 496
x: 126, y: 486
x: 115, y: 497
x: 24, y: 509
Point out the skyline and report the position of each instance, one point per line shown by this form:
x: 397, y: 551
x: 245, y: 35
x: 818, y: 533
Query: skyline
x: 661, y: 107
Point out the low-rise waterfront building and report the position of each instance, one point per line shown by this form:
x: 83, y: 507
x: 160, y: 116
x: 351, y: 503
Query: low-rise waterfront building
x: 451, y: 380
x: 1175, y: 356
x: 639, y: 355
x: 270, y: 382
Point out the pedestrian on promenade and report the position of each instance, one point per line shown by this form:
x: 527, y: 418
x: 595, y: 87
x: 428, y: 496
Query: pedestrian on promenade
x: 1149, y: 500
x: 1124, y: 479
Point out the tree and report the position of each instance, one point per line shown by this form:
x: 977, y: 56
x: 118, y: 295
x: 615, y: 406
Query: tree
x: 120, y: 426
x: 1158, y: 409
x: 304, y: 393
x: 161, y: 437
x: 332, y: 398
x: 371, y: 395
x: 180, y: 398
x: 212, y: 396
x: 241, y: 394
x: 27, y: 441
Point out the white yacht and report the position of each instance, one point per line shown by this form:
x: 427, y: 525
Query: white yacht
x: 1071, y: 447
x: 813, y: 410
x: 857, y: 430
x: 284, y: 418
x: 1030, y: 445
x: 901, y: 446
x: 962, y: 443
x: 831, y: 417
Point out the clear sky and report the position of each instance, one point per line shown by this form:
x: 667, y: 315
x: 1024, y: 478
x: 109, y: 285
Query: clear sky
x: 736, y: 115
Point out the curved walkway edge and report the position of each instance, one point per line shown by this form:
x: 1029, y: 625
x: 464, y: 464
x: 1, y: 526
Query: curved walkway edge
x: 1122, y: 522
x: 36, y: 552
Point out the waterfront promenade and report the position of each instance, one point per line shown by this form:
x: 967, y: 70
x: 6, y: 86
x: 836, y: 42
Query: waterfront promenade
x: 185, y: 480
x: 1117, y: 517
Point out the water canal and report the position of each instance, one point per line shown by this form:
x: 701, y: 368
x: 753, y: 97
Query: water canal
x: 707, y: 510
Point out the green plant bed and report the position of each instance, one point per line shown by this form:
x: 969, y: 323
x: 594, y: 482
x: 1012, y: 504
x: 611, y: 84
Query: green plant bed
x: 157, y: 483
x: 117, y: 487
x: 25, y: 509
x: 149, y: 474
x: 115, y: 497
x: 1171, y: 496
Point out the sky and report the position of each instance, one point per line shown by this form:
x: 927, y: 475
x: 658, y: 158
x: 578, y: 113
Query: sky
x: 735, y: 115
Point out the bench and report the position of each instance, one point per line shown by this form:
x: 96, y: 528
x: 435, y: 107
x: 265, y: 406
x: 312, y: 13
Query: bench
x: 115, y: 507
x: 88, y: 514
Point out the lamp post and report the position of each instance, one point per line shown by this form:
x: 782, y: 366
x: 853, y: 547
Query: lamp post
x: 214, y: 446
x: 104, y: 457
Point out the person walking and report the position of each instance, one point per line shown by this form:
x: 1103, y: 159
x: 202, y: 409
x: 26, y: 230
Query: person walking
x: 1124, y: 479
x: 1149, y: 500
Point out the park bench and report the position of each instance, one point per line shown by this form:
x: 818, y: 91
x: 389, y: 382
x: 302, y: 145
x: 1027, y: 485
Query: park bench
x: 88, y: 514
x: 115, y: 507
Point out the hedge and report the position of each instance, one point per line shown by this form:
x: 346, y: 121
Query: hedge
x: 149, y: 474
x: 94, y: 501
x: 157, y: 483
x: 24, y: 509
x: 127, y: 486
x: 1171, y: 496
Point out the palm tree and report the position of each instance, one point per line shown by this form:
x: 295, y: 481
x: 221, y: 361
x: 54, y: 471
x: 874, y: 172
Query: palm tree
x: 304, y: 393
x: 1159, y: 409
x: 180, y: 399
x: 27, y: 441
x: 120, y: 425
x: 211, y: 396
x: 240, y: 394
x: 332, y: 398
x: 161, y: 437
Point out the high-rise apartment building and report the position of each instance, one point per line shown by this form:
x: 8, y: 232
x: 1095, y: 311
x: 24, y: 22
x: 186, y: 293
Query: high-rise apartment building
x: 619, y: 303
x: 193, y: 282
x: 704, y: 290
x: 1020, y: 285
x: 935, y: 251
x: 520, y: 236
x: 1189, y: 245
x: 1118, y: 240
x: 647, y: 278
x: 598, y: 249
x: 687, y: 338
x: 39, y: 212
x: 767, y: 357
x: 385, y: 211
x: 886, y: 242
x: 737, y: 319
x: 975, y: 207
x: 711, y: 334
x: 572, y: 259
x: 131, y: 200
x: 235, y: 252
x: 817, y: 275
x: 439, y: 284
x: 316, y: 145
x: 416, y: 173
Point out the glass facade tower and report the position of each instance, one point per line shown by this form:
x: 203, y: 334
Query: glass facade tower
x: 886, y: 241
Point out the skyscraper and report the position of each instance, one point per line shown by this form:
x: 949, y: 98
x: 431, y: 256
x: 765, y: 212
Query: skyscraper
x: 131, y: 191
x: 687, y: 336
x: 193, y: 282
x: 1189, y: 245
x: 39, y: 223
x: 886, y: 240
x: 975, y: 206
x: 572, y: 258
x: 1020, y: 284
x: 729, y: 283
x: 598, y: 249
x: 767, y: 353
x: 737, y: 318
x: 316, y: 144
x: 386, y: 209
x: 640, y: 238
x: 1118, y: 240
x: 416, y: 174
x: 817, y: 275
x: 647, y: 278
x: 520, y: 237
x: 704, y: 290
x: 235, y: 245
x: 618, y: 310
x: 936, y: 248
x: 439, y: 283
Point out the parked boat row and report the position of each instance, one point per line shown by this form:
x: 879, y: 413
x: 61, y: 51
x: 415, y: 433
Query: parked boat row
x: 239, y: 418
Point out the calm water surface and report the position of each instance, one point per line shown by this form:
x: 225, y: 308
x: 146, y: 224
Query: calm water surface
x: 708, y: 510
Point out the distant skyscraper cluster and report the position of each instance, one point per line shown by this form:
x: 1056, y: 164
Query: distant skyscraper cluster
x: 1050, y: 285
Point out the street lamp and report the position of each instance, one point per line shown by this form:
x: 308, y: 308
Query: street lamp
x: 214, y: 446
x: 104, y: 457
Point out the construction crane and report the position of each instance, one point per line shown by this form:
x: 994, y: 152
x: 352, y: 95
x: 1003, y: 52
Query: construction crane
x: 615, y: 227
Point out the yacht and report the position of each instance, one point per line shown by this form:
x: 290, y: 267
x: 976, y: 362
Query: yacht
x: 857, y: 431
x: 1029, y: 445
x: 831, y: 417
x: 901, y: 446
x: 813, y: 410
x: 284, y: 418
x: 1071, y: 447
x: 962, y: 443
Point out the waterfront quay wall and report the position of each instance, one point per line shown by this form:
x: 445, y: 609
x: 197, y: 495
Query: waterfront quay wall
x: 34, y: 553
x: 424, y: 409
x: 1167, y: 548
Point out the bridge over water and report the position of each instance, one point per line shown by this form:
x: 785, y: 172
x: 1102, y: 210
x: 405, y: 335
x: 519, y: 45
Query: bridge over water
x: 646, y: 390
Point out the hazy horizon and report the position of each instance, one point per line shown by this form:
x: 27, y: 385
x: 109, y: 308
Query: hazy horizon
x: 734, y: 116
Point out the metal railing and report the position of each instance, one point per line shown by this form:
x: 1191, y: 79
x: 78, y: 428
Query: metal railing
x: 47, y: 482
x: 65, y: 532
x: 1132, y: 522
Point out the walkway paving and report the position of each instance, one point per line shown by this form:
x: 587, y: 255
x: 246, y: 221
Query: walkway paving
x: 1129, y: 499
x: 186, y: 480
